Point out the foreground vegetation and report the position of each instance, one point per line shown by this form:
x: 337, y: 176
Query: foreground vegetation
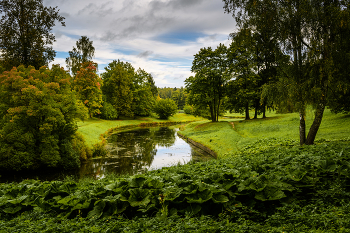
x: 261, y: 185
x: 288, y: 188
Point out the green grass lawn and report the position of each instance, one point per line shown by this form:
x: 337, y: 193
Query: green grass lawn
x: 233, y: 134
x: 92, y: 129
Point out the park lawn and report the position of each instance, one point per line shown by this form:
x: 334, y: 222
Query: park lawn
x: 233, y: 134
x: 91, y: 129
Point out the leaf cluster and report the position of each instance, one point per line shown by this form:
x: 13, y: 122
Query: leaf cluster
x: 249, y: 187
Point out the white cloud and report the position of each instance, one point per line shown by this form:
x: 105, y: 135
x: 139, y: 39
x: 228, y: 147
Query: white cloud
x: 160, y: 36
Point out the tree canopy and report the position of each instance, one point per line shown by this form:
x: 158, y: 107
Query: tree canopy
x: 25, y: 33
x: 207, y: 88
x: 37, y: 119
x: 84, y: 52
x: 310, y: 33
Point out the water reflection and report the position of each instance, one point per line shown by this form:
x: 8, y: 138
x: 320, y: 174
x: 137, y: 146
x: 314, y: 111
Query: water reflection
x: 130, y: 152
x: 142, y: 149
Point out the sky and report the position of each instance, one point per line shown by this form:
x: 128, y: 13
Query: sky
x: 159, y: 36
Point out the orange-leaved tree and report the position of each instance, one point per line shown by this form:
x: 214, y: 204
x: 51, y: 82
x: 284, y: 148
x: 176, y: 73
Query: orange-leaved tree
x: 87, y: 85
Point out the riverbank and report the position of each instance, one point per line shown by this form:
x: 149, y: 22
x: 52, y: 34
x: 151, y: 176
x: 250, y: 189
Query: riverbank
x: 233, y: 135
x: 92, y: 129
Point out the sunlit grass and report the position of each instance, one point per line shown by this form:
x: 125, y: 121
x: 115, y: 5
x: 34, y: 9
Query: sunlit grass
x: 230, y: 135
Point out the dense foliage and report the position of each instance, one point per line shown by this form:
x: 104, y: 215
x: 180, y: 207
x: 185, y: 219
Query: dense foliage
x: 282, y: 188
x: 179, y: 95
x: 87, y: 85
x: 165, y: 108
x: 130, y: 93
x: 81, y: 54
x: 25, y: 33
x: 207, y: 88
x: 313, y: 38
x: 37, y: 119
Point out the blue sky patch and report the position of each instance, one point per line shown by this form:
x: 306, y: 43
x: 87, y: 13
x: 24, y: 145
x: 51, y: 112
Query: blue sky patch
x: 179, y: 37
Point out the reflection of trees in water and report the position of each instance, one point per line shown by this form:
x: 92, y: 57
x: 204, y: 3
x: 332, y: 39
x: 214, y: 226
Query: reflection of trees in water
x: 164, y: 136
x: 132, y: 151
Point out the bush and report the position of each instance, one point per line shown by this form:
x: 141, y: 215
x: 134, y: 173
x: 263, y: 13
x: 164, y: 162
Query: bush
x: 80, y: 147
x: 165, y: 108
x: 108, y: 112
x: 99, y: 150
x: 188, y: 109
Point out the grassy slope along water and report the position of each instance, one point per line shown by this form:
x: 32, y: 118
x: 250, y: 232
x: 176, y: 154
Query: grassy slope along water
x: 232, y: 135
x: 92, y: 129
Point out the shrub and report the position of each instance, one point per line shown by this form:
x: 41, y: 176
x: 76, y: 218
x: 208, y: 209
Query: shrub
x: 108, y: 112
x: 165, y: 108
x: 99, y: 150
x: 188, y: 109
x: 80, y: 147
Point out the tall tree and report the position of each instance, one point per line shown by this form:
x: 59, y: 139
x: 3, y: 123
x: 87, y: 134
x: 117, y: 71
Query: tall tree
x: 25, y: 33
x: 243, y: 89
x: 87, y: 84
x: 143, y: 92
x: 207, y: 87
x: 84, y: 52
x: 309, y: 32
x: 118, y: 86
x: 37, y: 119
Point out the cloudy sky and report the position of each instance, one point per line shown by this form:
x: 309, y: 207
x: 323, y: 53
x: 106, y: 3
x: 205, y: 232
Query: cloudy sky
x: 159, y: 36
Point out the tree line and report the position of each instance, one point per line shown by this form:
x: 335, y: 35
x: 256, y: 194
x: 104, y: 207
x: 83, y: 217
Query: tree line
x: 39, y: 106
x: 285, y: 55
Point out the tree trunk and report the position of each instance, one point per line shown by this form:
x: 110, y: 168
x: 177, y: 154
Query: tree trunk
x: 315, y: 125
x: 212, y: 113
x: 256, y: 108
x: 302, y: 127
x: 247, y: 111
x: 264, y: 110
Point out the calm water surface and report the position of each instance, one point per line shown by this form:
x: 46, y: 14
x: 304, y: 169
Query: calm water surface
x: 131, y: 152
x: 141, y: 149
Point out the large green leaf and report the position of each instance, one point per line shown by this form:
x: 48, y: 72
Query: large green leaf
x: 270, y: 194
x: 172, y: 193
x: 155, y: 182
x: 18, y: 200
x: 139, y: 197
x: 193, y: 209
x: 259, y: 183
x: 220, y: 198
x: 12, y: 210
x: 97, y: 211
x: 200, y: 197
x: 190, y: 189
x: 297, y: 173
x: 136, y: 181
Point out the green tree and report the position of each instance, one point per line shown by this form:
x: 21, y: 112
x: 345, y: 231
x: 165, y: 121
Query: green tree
x: 309, y: 32
x: 87, y: 84
x: 83, y: 53
x: 118, y: 86
x: 143, y: 93
x: 37, y: 119
x: 244, y: 87
x: 25, y: 33
x: 207, y: 88
x: 165, y: 108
